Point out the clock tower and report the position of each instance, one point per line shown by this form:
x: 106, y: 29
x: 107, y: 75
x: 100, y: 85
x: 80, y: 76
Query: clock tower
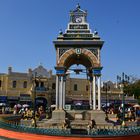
x: 78, y: 26
x: 78, y: 45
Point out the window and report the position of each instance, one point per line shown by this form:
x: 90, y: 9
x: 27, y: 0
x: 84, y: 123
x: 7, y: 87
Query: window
x: 75, y: 87
x: 86, y: 87
x: 25, y: 84
x: 42, y: 84
x: 53, y: 85
x: 36, y: 84
x: 0, y: 83
x: 14, y: 84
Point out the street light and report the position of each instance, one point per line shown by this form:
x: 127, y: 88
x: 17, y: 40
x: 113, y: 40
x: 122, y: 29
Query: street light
x: 34, y: 82
x: 106, y: 87
x: 123, y: 80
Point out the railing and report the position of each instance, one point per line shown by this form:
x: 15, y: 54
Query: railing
x: 41, y: 89
x: 80, y: 107
x: 116, y: 132
x: 50, y: 131
x: 100, y: 131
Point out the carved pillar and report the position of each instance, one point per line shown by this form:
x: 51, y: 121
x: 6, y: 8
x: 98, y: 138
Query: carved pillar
x: 97, y: 74
x: 99, y: 93
x: 61, y: 94
x: 57, y: 92
x: 94, y: 92
x: 90, y: 93
x: 60, y: 87
x: 64, y: 92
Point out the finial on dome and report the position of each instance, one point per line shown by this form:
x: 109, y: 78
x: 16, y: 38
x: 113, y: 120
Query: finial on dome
x: 95, y: 32
x: 60, y: 32
x: 78, y: 6
x: 40, y: 64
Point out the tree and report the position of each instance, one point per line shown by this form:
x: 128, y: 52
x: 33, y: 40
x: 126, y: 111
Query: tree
x: 133, y: 89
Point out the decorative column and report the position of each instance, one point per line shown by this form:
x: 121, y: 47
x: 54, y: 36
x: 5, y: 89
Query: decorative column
x: 61, y: 93
x: 64, y: 88
x: 97, y: 73
x: 57, y: 92
x: 99, y: 93
x: 60, y: 88
x: 94, y: 92
x: 90, y: 93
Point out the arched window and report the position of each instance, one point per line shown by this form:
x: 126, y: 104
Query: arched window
x: 53, y: 85
x: 14, y: 84
x: 36, y: 84
x: 75, y: 87
x: 86, y: 87
x: 42, y: 84
x: 25, y: 84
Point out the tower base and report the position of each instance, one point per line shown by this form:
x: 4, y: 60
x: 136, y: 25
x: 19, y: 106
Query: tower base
x: 99, y: 117
x: 58, y: 115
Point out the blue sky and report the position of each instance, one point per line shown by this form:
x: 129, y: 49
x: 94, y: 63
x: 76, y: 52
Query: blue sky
x: 28, y: 27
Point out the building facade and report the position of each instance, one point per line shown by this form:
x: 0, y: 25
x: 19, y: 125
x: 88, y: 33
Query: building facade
x: 20, y: 88
x: 39, y: 84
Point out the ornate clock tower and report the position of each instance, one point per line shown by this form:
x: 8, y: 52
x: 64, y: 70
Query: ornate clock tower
x: 78, y: 45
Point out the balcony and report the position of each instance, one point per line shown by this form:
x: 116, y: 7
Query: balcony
x: 40, y: 89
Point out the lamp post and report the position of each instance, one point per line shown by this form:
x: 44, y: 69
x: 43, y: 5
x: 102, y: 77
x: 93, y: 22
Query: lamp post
x: 106, y: 88
x: 34, y: 98
x: 122, y: 80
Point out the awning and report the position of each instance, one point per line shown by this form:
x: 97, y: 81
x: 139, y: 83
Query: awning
x: 12, y: 98
x: 3, y: 99
x: 25, y: 97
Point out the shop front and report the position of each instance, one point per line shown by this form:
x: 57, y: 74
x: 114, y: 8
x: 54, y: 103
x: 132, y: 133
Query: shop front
x: 41, y: 101
x: 12, y: 100
x: 25, y: 99
x: 3, y: 99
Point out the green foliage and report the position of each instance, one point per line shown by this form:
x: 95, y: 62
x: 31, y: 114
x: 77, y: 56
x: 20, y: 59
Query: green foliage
x: 133, y: 89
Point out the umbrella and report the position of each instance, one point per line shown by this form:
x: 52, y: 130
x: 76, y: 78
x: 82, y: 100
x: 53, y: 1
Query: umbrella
x: 53, y: 105
x: 2, y: 104
x: 136, y: 105
x: 25, y: 105
x: 17, y: 105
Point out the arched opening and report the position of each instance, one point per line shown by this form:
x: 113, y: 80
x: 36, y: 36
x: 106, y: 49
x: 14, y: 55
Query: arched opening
x: 78, y: 60
x: 78, y: 87
x: 86, y: 58
x: 79, y: 67
x: 40, y: 101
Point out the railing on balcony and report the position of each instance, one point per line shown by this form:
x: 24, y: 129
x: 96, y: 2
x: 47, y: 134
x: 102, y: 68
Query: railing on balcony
x: 40, y: 89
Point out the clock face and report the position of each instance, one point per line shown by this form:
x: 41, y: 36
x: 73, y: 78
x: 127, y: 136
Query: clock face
x: 77, y: 19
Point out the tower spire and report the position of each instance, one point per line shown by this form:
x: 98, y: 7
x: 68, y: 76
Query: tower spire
x: 78, y: 6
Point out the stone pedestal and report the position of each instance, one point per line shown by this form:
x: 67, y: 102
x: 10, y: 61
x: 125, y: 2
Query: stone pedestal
x: 58, y: 115
x: 99, y: 117
x: 112, y: 117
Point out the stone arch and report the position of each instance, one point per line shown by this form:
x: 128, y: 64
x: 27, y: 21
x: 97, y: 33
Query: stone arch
x: 41, y: 101
x: 86, y: 58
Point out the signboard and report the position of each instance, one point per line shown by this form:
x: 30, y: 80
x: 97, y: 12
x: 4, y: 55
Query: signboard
x: 3, y: 99
x: 67, y: 107
x: 97, y: 71
x: 60, y: 72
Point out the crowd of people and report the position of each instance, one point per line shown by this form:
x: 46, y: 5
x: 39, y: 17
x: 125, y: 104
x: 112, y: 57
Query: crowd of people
x: 128, y: 112
x: 27, y: 113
